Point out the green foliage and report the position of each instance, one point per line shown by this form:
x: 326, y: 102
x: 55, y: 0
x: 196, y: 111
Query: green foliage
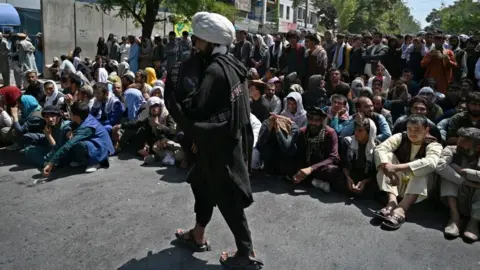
x: 145, y: 12
x: 463, y: 17
x: 355, y: 16
x: 346, y: 10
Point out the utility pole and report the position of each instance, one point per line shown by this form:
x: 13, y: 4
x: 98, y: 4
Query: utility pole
x: 307, y: 11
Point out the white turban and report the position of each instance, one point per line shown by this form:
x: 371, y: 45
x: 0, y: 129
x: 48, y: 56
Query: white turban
x: 213, y: 27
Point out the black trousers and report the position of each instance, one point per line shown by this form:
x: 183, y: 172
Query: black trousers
x: 233, y: 215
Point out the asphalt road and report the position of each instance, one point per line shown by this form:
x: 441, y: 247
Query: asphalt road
x: 125, y: 217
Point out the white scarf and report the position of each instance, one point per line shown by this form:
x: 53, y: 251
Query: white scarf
x: 102, y: 75
x: 50, y: 99
x: 372, y: 134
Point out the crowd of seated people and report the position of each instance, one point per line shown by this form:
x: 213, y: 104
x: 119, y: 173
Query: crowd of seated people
x: 357, y: 125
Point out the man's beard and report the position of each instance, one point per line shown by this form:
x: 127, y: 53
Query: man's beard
x: 314, y: 129
x: 465, y: 153
x: 269, y: 95
x: 207, y: 53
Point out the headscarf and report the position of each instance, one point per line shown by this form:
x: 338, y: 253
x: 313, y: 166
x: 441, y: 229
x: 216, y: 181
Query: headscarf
x: 297, y: 88
x: 213, y: 28
x: 269, y: 40
x: 50, y: 99
x: 158, y: 101
x: 114, y: 79
x: 357, y: 86
x: 151, y: 76
x: 284, y: 123
x: 29, y: 105
x: 300, y: 116
x: 428, y: 90
x: 10, y: 95
x: 353, y: 149
x: 102, y: 75
x: 155, y: 89
x: 122, y: 68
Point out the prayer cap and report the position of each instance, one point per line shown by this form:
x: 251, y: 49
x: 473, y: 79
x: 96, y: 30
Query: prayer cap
x: 316, y: 111
x: 51, y: 110
x: 213, y: 27
x: 21, y: 35
x: 55, y: 59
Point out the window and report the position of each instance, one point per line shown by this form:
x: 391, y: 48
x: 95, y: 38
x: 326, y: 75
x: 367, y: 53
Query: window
x: 288, y: 13
x: 300, y: 14
x: 313, y: 18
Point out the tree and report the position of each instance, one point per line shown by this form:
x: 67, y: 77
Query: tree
x: 145, y: 12
x: 355, y: 16
x: 346, y: 10
x: 463, y: 17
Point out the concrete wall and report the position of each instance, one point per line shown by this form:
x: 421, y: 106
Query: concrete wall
x: 67, y: 24
x: 88, y: 28
x: 58, y: 27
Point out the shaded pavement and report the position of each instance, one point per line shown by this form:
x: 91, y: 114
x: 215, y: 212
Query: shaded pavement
x: 125, y: 218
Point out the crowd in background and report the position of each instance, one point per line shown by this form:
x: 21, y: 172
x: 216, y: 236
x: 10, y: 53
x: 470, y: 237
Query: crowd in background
x: 363, y: 114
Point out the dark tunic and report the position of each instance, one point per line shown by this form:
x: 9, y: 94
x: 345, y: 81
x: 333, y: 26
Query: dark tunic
x: 36, y: 91
x: 214, y: 110
x: 260, y: 108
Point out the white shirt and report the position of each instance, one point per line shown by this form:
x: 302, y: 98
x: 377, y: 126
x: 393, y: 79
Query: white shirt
x: 5, y: 120
x: 124, y: 51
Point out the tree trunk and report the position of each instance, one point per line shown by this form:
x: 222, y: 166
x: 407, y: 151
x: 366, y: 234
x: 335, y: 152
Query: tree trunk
x: 151, y: 12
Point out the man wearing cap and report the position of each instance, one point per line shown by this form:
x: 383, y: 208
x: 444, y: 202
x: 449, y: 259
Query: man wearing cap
x: 317, y: 153
x: 55, y: 68
x: 4, y: 60
x: 34, y: 87
x: 26, y: 56
x: 216, y: 110
x: 57, y: 132
x: 459, y: 170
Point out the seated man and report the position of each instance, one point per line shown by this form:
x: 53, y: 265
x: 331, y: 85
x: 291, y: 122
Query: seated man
x: 57, y: 133
x: 406, y: 162
x: 294, y: 109
x: 54, y: 69
x: 152, y: 137
x: 460, y: 182
x: 364, y: 105
x: 34, y: 87
x: 107, y: 108
x: 470, y: 118
x: 357, y: 157
x: 89, y: 146
x: 378, y: 107
x: 27, y: 129
x: 420, y: 106
x: 5, y: 122
x: 317, y: 153
x: 276, y: 144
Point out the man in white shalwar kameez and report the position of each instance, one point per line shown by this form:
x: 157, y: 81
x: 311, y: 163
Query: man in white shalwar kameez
x: 459, y: 169
x: 406, y: 163
x: 4, y: 60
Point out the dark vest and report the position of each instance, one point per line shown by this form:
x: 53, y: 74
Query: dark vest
x: 405, y: 148
x: 457, y: 72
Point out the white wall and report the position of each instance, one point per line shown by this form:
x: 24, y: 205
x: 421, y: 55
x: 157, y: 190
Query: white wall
x: 30, y: 4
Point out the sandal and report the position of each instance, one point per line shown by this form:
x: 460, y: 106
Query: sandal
x: 394, y: 221
x: 188, y: 239
x: 383, y: 213
x: 240, y: 262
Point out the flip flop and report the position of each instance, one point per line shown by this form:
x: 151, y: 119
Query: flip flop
x: 190, y: 242
x: 240, y: 262
x: 394, y: 222
x: 383, y: 213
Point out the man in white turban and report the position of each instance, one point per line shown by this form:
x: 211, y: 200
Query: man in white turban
x: 208, y: 98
